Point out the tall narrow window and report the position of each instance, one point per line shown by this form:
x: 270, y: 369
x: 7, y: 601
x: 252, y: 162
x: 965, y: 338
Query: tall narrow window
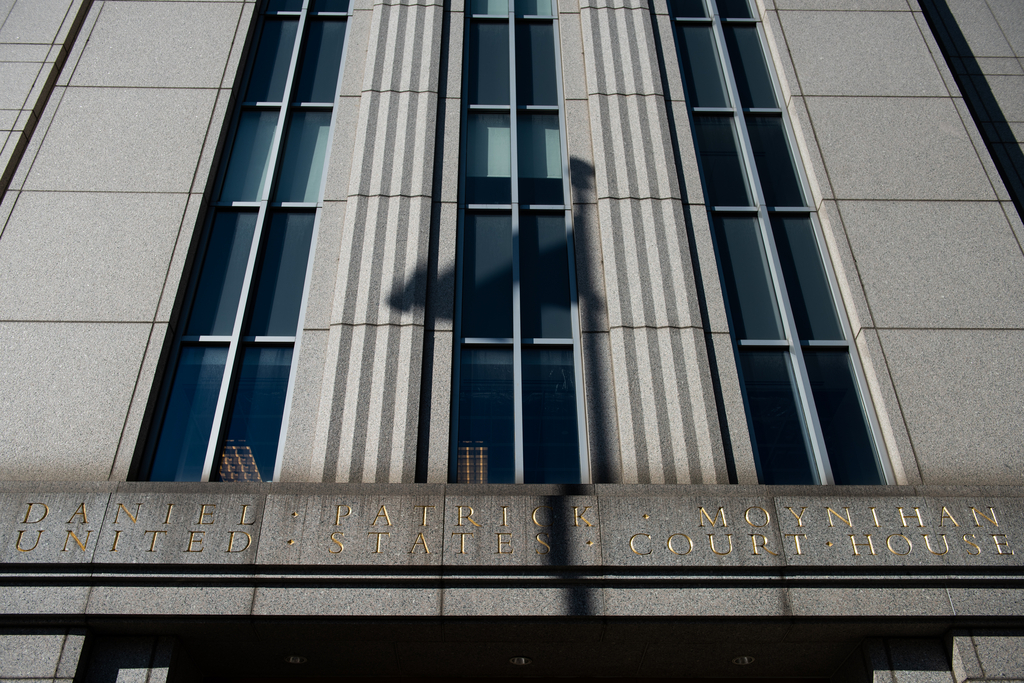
x: 803, y: 384
x: 226, y: 392
x: 518, y: 401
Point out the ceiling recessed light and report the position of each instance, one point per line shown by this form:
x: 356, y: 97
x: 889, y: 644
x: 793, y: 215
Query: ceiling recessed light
x: 295, y: 659
x: 743, y: 661
x: 520, y: 661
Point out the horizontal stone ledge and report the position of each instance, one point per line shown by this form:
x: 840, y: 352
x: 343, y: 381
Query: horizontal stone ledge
x: 617, y: 527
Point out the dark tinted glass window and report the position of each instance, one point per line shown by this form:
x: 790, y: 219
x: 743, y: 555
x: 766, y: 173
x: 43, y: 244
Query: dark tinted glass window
x: 551, y: 453
x: 282, y: 276
x: 843, y: 424
x: 487, y: 276
x: 779, y: 435
x: 720, y: 157
x: 270, y: 71
x: 734, y: 9
x: 223, y: 271
x: 807, y: 285
x: 752, y: 78
x: 318, y: 79
x: 755, y: 314
x: 544, y: 291
x: 486, y: 440
x: 775, y: 167
x: 705, y: 83
x: 687, y: 8
x: 535, y: 64
x: 488, y: 63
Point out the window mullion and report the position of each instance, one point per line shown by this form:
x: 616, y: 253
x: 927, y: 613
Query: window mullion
x: 517, y: 330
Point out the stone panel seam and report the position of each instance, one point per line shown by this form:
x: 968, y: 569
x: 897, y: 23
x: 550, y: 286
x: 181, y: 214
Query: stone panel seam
x: 899, y: 406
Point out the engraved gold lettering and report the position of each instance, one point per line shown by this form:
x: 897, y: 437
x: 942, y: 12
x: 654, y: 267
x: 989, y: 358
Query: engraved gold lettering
x: 829, y: 512
x: 944, y: 516
x: 504, y: 543
x: 193, y: 540
x: 242, y: 522
x: 974, y: 544
x: 17, y: 543
x: 203, y: 513
x: 504, y: 515
x: 231, y: 540
x: 424, y: 508
x: 152, y: 544
x: 534, y: 515
x: 904, y: 517
x: 676, y: 552
x: 704, y: 515
x: 167, y: 519
x: 378, y: 534
x: 928, y: 544
x: 28, y: 513
x: 462, y: 540
x: 578, y: 516
x: 383, y: 512
x: 874, y: 516
x: 337, y: 542
x: 548, y: 548
x: 466, y: 517
x: 81, y: 544
x: 991, y: 520
x: 420, y: 541
x: 632, y: 541
x: 338, y: 516
x: 888, y: 544
x: 799, y: 521
x: 763, y: 546
x: 711, y: 542
x: 796, y: 541
x: 870, y: 545
x: 117, y: 535
x: 767, y: 517
x: 1001, y: 544
x: 79, y: 512
x: 121, y: 508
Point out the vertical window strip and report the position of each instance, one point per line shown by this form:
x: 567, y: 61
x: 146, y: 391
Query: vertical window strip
x: 227, y: 391
x: 518, y: 398
x: 804, y: 388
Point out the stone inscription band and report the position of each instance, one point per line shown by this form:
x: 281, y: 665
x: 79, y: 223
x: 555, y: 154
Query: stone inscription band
x: 443, y: 527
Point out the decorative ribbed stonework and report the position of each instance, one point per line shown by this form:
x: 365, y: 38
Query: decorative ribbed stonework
x: 369, y: 404
x: 664, y: 397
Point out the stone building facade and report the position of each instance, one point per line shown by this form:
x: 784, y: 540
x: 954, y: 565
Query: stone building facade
x: 371, y: 540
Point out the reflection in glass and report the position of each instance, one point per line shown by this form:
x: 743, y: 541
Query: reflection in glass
x: 733, y: 9
x: 488, y: 63
x: 704, y: 80
x: 774, y: 164
x: 181, y: 450
x: 544, y: 302
x: 270, y: 70
x: 304, y: 152
x: 843, y: 424
x: 535, y: 64
x: 486, y: 450
x: 748, y: 65
x: 487, y: 276
x: 687, y: 8
x: 282, y: 276
x: 551, y: 453
x: 250, y: 157
x: 250, y: 449
x: 488, y: 7
x: 318, y: 78
x: 724, y: 177
x: 330, y: 5
x: 806, y: 283
x: 488, y: 160
x: 748, y: 283
x: 223, y: 272
x: 540, y: 160
x: 533, y: 8
x: 782, y: 451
